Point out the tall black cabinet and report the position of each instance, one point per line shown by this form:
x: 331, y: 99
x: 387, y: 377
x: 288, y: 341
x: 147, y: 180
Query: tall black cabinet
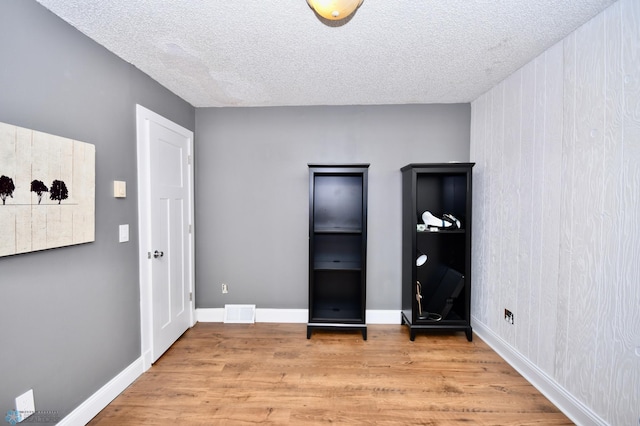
x: 337, y: 247
x: 436, y: 247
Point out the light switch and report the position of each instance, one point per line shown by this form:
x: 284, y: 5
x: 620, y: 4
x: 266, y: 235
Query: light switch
x: 124, y: 233
x: 119, y: 189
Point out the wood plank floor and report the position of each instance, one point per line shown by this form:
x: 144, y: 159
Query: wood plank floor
x: 270, y: 373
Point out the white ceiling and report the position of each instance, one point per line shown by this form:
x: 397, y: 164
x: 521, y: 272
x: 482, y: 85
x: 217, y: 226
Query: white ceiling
x: 216, y: 53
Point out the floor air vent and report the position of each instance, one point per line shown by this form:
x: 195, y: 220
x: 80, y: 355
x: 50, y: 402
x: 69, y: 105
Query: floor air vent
x: 245, y: 314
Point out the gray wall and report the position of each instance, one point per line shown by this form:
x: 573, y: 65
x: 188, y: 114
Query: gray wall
x: 69, y: 320
x: 557, y: 214
x: 252, y: 192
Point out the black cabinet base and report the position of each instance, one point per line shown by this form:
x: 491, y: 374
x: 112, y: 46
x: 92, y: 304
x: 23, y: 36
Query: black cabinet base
x: 333, y: 327
x: 439, y: 326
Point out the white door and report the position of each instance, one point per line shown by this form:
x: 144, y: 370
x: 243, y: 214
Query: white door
x: 166, y: 243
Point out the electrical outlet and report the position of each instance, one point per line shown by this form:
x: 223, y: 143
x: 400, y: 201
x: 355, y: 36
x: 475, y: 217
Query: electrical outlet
x: 25, y: 404
x: 225, y: 288
x: 509, y: 317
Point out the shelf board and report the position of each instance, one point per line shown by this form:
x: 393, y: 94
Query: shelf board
x: 452, y: 319
x: 336, y: 315
x: 337, y: 266
x: 332, y: 310
x: 336, y: 230
x: 442, y: 231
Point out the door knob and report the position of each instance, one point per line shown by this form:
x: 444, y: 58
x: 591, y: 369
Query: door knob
x: 158, y: 254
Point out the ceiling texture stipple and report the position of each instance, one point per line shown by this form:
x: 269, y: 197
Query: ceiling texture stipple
x: 216, y: 53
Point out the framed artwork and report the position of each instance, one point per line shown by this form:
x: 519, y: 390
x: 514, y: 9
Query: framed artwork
x: 47, y: 191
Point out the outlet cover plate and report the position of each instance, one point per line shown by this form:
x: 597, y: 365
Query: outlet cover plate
x: 25, y: 404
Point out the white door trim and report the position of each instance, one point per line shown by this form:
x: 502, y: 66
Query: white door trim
x: 143, y: 116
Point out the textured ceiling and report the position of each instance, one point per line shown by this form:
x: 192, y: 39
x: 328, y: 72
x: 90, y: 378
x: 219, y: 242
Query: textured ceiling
x: 216, y: 53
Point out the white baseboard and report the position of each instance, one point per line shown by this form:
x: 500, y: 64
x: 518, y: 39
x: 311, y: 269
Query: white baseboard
x: 210, y: 314
x: 296, y: 316
x: 146, y: 360
x: 378, y: 316
x: 559, y: 396
x: 99, y: 400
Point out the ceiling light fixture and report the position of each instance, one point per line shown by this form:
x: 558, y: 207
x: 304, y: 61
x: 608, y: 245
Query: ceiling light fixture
x: 334, y: 9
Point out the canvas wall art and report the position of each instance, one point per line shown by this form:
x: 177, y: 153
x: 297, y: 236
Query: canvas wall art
x: 47, y: 191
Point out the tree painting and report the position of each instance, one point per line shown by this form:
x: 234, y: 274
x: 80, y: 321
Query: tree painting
x: 6, y: 188
x: 31, y: 220
x: 38, y: 187
x: 58, y: 191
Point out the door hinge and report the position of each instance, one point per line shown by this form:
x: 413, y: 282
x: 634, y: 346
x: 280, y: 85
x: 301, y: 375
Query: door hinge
x: 189, y: 159
x: 191, y: 297
x: 190, y: 228
x: 148, y: 255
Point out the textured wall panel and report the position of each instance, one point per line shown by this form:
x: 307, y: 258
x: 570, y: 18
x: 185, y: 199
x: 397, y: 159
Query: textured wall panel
x: 611, y: 226
x: 477, y: 151
x: 557, y: 212
x: 565, y: 213
x: 625, y: 294
x: 509, y: 205
x: 536, y: 145
x: 586, y: 207
x: 494, y: 170
x: 549, y: 233
x: 524, y: 293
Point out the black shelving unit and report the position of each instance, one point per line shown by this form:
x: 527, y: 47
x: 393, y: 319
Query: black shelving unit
x: 437, y: 294
x: 337, y: 247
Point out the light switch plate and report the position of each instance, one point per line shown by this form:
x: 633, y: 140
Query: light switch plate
x: 119, y: 189
x: 123, y: 233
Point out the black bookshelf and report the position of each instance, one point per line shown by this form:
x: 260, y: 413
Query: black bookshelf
x: 337, y: 247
